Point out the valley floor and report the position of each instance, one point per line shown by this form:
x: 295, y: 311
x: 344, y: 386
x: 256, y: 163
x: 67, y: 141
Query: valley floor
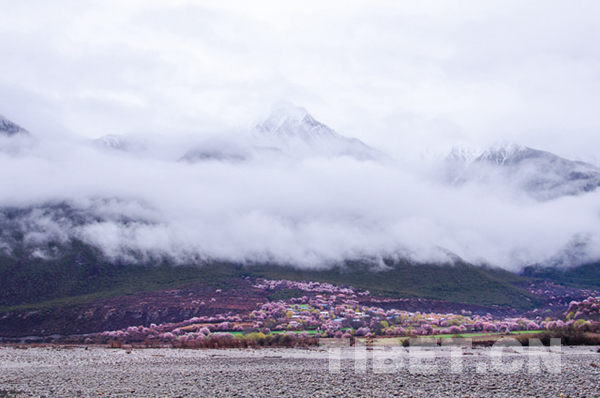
x: 97, y: 371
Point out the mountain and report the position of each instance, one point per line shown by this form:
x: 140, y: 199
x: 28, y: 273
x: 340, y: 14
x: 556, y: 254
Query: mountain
x: 64, y: 265
x: 455, y: 163
x: 288, y: 121
x: 583, y: 276
x: 232, y: 151
x: 8, y: 128
x: 217, y: 150
x: 293, y: 130
x: 76, y: 271
x: 289, y: 132
x: 125, y: 143
x: 458, y: 281
x: 539, y: 174
x: 112, y: 141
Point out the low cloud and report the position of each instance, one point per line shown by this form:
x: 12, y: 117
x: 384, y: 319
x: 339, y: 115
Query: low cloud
x: 310, y: 212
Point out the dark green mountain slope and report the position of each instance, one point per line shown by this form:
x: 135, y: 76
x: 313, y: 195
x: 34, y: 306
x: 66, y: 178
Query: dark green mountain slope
x: 460, y: 282
x: 81, y: 271
x: 584, y: 276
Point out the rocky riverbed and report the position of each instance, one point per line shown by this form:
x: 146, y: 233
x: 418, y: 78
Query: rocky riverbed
x: 91, y: 371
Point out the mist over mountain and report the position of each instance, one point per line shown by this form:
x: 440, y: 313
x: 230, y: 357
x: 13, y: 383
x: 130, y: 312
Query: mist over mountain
x: 293, y: 130
x: 121, y: 143
x: 8, y: 128
x: 289, y: 132
x: 291, y: 190
x: 14, y: 139
x: 539, y: 174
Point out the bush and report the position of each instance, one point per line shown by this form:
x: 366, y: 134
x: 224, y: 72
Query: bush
x: 116, y: 344
x: 253, y: 340
x: 566, y: 336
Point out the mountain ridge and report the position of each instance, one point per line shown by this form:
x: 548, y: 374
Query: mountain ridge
x: 540, y: 174
x: 289, y: 132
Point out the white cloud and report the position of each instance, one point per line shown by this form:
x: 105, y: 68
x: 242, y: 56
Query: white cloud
x: 309, y: 212
x: 402, y: 76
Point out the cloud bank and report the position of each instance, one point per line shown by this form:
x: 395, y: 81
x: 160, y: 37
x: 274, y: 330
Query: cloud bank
x: 310, y: 212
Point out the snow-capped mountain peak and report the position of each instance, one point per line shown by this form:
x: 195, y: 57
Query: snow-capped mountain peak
x: 501, y: 152
x: 290, y: 121
x: 540, y: 174
x: 289, y: 133
x: 462, y: 154
x: 296, y: 133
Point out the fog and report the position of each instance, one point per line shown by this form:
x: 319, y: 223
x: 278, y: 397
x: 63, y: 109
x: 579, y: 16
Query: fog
x: 143, y: 203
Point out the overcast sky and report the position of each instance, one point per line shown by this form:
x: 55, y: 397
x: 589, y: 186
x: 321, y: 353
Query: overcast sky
x: 405, y: 77
x: 399, y: 75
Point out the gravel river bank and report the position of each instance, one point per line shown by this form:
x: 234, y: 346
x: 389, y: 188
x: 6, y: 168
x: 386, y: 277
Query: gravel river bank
x: 98, y: 371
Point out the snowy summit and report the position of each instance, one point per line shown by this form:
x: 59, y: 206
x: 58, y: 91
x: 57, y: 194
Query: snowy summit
x: 289, y: 120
